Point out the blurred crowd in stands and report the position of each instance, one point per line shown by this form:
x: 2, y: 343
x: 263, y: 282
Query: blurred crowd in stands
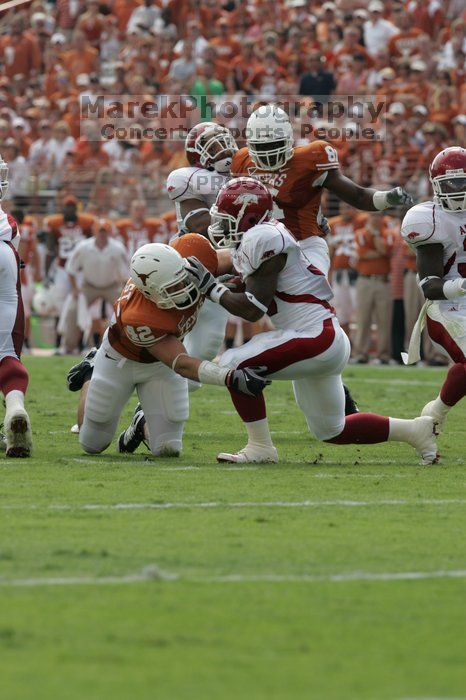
x: 410, y: 51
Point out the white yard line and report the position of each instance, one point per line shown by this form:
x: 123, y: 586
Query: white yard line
x: 153, y: 573
x: 245, y: 504
x: 401, y: 382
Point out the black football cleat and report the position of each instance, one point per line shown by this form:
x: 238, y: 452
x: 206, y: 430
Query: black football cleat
x: 350, y: 404
x: 131, y: 438
x: 82, y: 372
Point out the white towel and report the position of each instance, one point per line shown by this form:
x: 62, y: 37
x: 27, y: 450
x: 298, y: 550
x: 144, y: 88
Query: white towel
x: 414, y: 350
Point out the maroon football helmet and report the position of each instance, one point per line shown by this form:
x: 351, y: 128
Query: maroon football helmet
x: 448, y: 177
x: 209, y: 145
x: 241, y: 204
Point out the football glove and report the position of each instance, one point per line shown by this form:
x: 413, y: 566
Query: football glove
x: 398, y: 197
x: 247, y: 381
x: 200, y: 276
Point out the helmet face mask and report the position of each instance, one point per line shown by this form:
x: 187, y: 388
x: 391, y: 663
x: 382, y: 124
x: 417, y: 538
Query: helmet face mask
x: 448, y: 177
x: 271, y: 155
x: 241, y: 204
x: 269, y: 137
x: 158, y: 271
x: 3, y: 179
x: 211, y: 146
x: 450, y: 191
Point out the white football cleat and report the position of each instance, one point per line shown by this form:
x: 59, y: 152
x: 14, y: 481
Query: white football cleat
x: 431, y: 409
x: 423, y: 439
x: 74, y: 429
x: 251, y: 454
x: 18, y: 433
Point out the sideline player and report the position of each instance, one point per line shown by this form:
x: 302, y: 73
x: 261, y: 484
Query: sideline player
x: 308, y: 347
x: 14, y: 377
x: 436, y: 230
x: 143, y: 350
x: 296, y: 175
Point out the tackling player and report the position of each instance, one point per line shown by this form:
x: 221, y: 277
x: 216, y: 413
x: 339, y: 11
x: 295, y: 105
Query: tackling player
x: 308, y: 347
x: 436, y: 230
x: 143, y: 350
x: 13, y: 375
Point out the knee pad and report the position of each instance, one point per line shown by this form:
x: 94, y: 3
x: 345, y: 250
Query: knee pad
x: 165, y: 437
x: 93, y: 438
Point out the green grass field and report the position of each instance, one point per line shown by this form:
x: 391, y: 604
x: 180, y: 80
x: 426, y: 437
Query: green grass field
x: 338, y: 574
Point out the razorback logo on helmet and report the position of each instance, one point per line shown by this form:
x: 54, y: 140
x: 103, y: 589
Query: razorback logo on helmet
x: 413, y: 235
x: 268, y: 254
x: 247, y: 198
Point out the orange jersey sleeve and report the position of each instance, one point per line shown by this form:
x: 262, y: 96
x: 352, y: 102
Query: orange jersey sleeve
x: 193, y: 244
x: 54, y: 223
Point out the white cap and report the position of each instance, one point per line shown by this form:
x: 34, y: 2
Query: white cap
x: 83, y: 79
x: 328, y: 6
x: 375, y: 6
x: 360, y: 12
x: 420, y: 109
x: 58, y: 38
x: 460, y: 119
x: 418, y: 65
x: 18, y: 121
x: 397, y: 108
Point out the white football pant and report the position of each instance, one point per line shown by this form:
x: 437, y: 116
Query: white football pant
x: 316, y: 378
x: 446, y: 325
x: 11, y: 308
x: 163, y: 395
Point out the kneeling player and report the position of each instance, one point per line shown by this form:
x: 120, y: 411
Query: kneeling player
x: 308, y: 347
x: 13, y: 375
x: 143, y: 350
x: 436, y: 230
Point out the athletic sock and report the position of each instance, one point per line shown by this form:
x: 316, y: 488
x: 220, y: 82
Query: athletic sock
x: 454, y: 386
x: 259, y: 433
x: 13, y: 376
x: 363, y: 428
x: 249, y: 408
x: 401, y: 430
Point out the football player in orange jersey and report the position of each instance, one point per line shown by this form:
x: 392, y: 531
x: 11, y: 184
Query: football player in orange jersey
x: 139, y: 229
x: 143, y: 350
x: 296, y: 176
x: 29, y: 254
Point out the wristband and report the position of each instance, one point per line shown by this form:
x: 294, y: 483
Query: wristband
x: 424, y: 281
x: 217, y: 292
x: 210, y: 373
x: 379, y: 200
x: 256, y: 302
x: 454, y: 288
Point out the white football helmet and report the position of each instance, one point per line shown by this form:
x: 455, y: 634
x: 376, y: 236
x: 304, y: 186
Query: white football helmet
x: 44, y: 303
x: 269, y: 137
x: 3, y: 178
x: 158, y: 272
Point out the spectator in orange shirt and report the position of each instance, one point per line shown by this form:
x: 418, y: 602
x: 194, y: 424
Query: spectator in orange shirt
x: 245, y: 64
x: 350, y: 47
x: 19, y: 54
x: 91, y: 23
x: 226, y: 45
x: 372, y: 290
x: 81, y: 58
x: 406, y: 42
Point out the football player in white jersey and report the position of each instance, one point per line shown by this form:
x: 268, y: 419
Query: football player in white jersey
x: 209, y: 150
x: 308, y: 347
x: 436, y: 230
x: 14, y: 377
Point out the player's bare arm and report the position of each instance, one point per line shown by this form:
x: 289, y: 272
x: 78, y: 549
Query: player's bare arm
x: 365, y: 198
x: 430, y: 269
x: 252, y: 304
x: 171, y: 351
x: 196, y: 217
